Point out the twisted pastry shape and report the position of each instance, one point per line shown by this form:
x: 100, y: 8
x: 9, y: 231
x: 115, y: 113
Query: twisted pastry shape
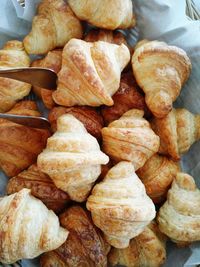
x: 130, y: 138
x: 72, y: 158
x: 160, y: 70
x: 120, y: 206
x: 27, y: 227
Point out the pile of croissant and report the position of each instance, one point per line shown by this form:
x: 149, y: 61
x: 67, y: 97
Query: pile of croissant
x: 104, y: 186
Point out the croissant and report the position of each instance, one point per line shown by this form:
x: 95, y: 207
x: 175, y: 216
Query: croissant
x: 41, y: 187
x: 72, y: 158
x: 160, y: 70
x: 91, y: 119
x: 130, y: 138
x: 27, y: 228
x: 51, y: 61
x: 127, y: 97
x: 177, y: 132
x: 179, y: 217
x: 53, y: 26
x: 146, y: 249
x: 84, y: 246
x: 120, y: 206
x: 157, y: 175
x: 105, y: 14
x: 12, y: 56
x: 20, y: 145
x: 90, y: 73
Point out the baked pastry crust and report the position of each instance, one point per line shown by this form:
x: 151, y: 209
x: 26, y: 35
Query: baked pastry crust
x: 19, y: 144
x: 105, y: 14
x: 12, y: 55
x: 41, y: 187
x: 157, y: 175
x: 91, y: 119
x: 53, y: 26
x: 85, y: 245
x: 146, y: 249
x: 177, y: 132
x: 119, y: 205
x: 90, y: 73
x: 179, y: 217
x: 27, y: 228
x: 52, y: 61
x: 72, y: 158
x: 130, y: 138
x: 160, y: 70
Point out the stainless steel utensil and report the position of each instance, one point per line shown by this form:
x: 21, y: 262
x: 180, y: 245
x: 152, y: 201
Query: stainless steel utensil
x: 42, y: 77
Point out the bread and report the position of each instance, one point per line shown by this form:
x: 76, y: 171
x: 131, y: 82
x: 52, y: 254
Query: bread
x: 91, y: 119
x: 41, y: 187
x: 90, y: 73
x: 53, y: 26
x: 145, y: 250
x: 27, y: 228
x: 157, y: 175
x: 119, y: 205
x: 130, y: 138
x: 52, y: 61
x: 20, y: 145
x: 127, y: 97
x: 160, y: 70
x: 177, y: 132
x: 105, y: 14
x: 84, y: 246
x: 12, y: 55
x: 72, y: 158
x: 179, y: 217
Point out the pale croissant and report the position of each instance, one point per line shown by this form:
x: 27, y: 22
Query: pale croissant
x: 105, y: 14
x: 145, y: 250
x: 90, y: 73
x: 72, y: 158
x: 179, y: 217
x: 119, y: 205
x: 157, y: 175
x: 130, y: 138
x: 160, y: 70
x: 53, y: 26
x: 177, y: 132
x: 27, y: 228
x: 12, y: 55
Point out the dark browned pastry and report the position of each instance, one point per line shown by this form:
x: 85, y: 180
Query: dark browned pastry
x: 20, y: 145
x: 127, y: 97
x: 41, y: 187
x: 84, y: 247
x: 91, y: 119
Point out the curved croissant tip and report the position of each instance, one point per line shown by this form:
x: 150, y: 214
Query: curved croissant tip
x: 121, y: 169
x: 68, y: 122
x: 134, y: 112
x: 185, y: 181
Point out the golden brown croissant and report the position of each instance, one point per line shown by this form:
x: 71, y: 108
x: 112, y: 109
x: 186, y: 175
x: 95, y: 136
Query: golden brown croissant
x: 160, y: 70
x: 90, y: 73
x: 177, y: 132
x: 84, y: 246
x: 127, y: 97
x: 72, y: 158
x: 105, y: 14
x: 54, y: 25
x: 12, y: 56
x: 27, y: 227
x: 120, y: 206
x: 157, y: 175
x: 41, y: 187
x: 145, y: 250
x: 20, y: 145
x: 179, y: 217
x: 130, y: 138
x: 91, y: 119
x: 52, y: 61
